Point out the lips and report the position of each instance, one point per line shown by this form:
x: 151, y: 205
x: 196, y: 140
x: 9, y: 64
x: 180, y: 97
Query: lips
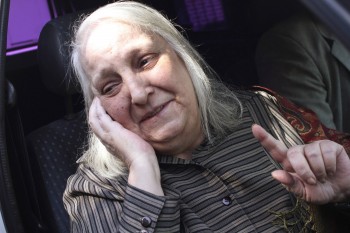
x: 153, y: 113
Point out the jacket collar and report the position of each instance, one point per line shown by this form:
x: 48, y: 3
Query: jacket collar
x: 338, y: 50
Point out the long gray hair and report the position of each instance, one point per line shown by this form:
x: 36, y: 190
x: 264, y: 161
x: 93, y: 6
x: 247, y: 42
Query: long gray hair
x: 220, y: 109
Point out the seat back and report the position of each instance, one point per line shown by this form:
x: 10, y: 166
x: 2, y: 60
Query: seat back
x: 54, y: 148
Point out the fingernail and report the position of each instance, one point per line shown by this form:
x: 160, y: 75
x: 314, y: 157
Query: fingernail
x: 286, y: 187
x: 311, y: 180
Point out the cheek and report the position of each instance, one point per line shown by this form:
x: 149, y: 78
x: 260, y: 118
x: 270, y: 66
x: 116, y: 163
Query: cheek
x: 116, y: 109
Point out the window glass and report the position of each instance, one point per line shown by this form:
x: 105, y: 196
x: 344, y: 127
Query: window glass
x: 205, y: 14
x: 27, y: 18
x: 201, y: 15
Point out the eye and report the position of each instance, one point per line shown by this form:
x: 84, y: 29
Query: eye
x: 144, y: 62
x: 111, y: 88
x: 148, y: 61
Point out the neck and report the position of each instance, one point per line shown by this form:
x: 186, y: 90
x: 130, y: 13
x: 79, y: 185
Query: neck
x: 188, y: 154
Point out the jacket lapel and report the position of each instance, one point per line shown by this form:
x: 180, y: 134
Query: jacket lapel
x: 341, y: 53
x: 338, y: 50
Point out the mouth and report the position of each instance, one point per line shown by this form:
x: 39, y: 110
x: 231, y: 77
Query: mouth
x: 154, y: 112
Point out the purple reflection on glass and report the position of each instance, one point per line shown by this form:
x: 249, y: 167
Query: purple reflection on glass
x: 203, y: 13
x: 27, y: 18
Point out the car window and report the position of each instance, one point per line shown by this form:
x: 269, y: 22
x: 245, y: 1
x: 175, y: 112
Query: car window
x: 335, y: 14
x: 2, y: 226
x: 26, y: 19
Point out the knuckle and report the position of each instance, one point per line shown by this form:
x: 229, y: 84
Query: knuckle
x: 327, y: 145
x: 294, y: 153
x: 108, y: 138
x: 311, y: 154
x: 328, y: 152
x: 303, y: 172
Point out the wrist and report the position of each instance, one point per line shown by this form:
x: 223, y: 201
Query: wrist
x: 146, y: 176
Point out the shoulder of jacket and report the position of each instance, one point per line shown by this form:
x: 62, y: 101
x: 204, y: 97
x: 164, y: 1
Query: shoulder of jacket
x: 88, y: 181
x: 254, y: 92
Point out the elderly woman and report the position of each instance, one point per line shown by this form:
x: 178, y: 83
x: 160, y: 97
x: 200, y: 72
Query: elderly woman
x: 172, y: 149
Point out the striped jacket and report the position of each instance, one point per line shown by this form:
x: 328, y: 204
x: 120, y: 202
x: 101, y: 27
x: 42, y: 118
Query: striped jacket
x: 225, y: 187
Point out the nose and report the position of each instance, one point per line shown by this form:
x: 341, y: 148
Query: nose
x: 139, y: 90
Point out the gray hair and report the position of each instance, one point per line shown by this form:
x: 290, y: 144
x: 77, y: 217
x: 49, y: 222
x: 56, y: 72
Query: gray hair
x: 219, y: 107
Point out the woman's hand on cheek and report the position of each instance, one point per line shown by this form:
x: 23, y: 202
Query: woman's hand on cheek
x: 318, y: 172
x: 119, y: 141
x: 138, y: 155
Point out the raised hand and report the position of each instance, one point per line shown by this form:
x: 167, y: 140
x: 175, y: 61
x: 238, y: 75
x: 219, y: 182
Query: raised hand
x: 137, y: 154
x: 318, y: 172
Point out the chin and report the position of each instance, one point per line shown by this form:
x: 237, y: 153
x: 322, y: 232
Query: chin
x: 166, y: 140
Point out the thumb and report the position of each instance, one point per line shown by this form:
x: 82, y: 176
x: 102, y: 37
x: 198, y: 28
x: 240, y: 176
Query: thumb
x: 290, y: 182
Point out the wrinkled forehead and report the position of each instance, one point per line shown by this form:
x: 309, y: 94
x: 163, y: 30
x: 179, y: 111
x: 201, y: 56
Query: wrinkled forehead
x: 105, y: 35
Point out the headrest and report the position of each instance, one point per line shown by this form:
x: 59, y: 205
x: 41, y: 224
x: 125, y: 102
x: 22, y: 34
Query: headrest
x: 54, y: 54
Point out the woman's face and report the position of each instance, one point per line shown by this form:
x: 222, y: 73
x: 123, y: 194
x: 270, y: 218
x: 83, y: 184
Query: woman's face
x: 144, y: 86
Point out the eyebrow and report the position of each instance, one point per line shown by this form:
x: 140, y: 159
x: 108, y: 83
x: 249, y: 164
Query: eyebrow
x: 133, y: 51
x: 105, y: 72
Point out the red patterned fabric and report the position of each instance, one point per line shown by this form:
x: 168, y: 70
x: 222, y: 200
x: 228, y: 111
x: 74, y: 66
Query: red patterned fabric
x: 307, y: 123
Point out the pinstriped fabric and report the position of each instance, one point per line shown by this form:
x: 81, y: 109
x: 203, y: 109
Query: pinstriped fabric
x: 226, y: 187
x: 287, y: 134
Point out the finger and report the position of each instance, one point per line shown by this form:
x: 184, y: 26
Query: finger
x: 329, y: 151
x: 314, y: 157
x: 274, y: 147
x: 290, y: 182
x: 93, y: 116
x: 300, y: 164
x: 101, y: 118
x: 98, y: 120
x: 102, y: 124
x: 283, y: 177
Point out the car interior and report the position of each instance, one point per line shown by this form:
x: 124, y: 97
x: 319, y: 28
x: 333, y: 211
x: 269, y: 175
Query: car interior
x: 43, y: 117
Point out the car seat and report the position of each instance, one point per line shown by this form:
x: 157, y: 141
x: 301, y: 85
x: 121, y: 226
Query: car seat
x: 54, y: 148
